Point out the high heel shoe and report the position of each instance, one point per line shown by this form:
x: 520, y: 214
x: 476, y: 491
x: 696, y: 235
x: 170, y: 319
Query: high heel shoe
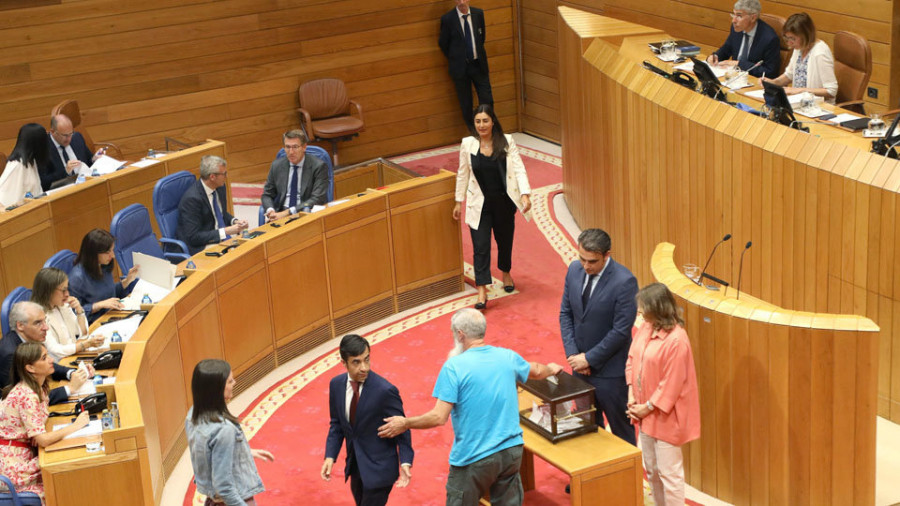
x: 509, y: 288
x: 481, y: 305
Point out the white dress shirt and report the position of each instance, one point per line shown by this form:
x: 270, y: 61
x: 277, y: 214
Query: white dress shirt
x: 462, y: 24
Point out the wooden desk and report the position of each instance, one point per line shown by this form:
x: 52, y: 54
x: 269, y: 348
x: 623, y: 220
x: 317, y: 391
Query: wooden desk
x: 603, y: 469
x: 30, y: 234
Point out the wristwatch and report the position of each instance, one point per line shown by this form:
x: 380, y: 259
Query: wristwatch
x: 649, y: 405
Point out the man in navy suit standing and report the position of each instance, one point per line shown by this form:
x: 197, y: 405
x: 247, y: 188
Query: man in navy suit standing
x: 203, y: 216
x: 67, y: 151
x: 359, y: 401
x: 750, y: 41
x: 462, y: 42
x: 595, y: 319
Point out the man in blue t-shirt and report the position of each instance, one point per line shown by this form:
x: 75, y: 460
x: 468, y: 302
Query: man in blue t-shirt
x: 477, y: 387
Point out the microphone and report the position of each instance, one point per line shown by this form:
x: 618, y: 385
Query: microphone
x: 741, y: 268
x: 708, y: 260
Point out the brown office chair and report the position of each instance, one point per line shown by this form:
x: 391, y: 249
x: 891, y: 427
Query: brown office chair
x: 325, y: 113
x: 777, y: 24
x: 70, y: 108
x: 852, y: 68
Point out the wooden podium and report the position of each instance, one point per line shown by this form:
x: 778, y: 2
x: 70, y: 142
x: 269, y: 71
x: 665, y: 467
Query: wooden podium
x: 787, y: 398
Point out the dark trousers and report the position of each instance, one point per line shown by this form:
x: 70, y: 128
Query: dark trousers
x: 366, y: 496
x: 497, y: 473
x: 498, y: 214
x: 474, y: 76
x: 611, y: 397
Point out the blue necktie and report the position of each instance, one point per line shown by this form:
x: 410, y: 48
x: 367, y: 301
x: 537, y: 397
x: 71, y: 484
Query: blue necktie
x: 745, y: 49
x: 586, y: 293
x: 220, y: 220
x: 292, y: 202
x: 470, y: 51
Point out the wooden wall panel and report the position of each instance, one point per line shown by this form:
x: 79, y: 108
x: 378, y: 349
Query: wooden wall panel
x: 230, y: 70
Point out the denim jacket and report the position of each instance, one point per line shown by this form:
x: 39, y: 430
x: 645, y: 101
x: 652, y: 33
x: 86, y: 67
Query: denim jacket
x: 223, y: 464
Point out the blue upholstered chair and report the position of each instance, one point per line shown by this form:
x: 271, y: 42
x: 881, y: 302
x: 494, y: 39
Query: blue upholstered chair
x: 18, y: 294
x: 319, y: 153
x: 166, y: 196
x: 132, y: 230
x: 13, y: 498
x: 63, y: 260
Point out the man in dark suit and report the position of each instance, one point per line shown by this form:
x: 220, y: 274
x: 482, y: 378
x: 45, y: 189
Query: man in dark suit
x: 203, y: 217
x: 67, y: 151
x: 462, y: 41
x: 751, y: 40
x: 595, y: 319
x: 359, y: 401
x: 296, y: 182
x: 27, y: 322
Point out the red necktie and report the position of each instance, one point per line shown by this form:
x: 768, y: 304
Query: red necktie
x: 354, y: 401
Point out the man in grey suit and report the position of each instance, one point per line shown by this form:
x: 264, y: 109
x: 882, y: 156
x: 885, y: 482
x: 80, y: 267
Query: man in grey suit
x: 595, y: 319
x: 296, y: 182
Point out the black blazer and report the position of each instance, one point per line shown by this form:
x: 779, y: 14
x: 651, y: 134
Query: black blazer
x: 313, y: 184
x: 377, y: 459
x: 8, y: 346
x: 452, y: 41
x: 196, y: 221
x: 766, y: 47
x: 56, y: 169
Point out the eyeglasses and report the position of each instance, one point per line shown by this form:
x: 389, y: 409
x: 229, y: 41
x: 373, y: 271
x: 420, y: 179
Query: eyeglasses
x: 66, y: 136
x: 791, y: 38
x: 223, y: 174
x: 292, y: 147
x: 63, y: 290
x: 739, y: 15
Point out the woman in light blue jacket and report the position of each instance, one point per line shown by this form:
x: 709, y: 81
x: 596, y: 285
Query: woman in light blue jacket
x: 223, y: 464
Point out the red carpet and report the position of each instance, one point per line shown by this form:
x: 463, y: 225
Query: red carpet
x: 291, y: 418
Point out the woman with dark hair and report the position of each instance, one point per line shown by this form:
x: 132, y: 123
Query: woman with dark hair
x: 21, y: 173
x: 91, y: 280
x: 663, y: 398
x: 222, y: 459
x: 23, y: 418
x: 811, y: 68
x: 492, y: 181
x: 66, y: 318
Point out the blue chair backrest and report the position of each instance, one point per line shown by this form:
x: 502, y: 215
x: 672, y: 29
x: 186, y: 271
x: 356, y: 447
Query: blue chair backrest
x: 18, y: 294
x: 63, y: 260
x: 321, y: 154
x: 166, y: 196
x: 131, y: 228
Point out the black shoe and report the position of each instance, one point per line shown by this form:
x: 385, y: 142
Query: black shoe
x: 509, y: 288
x: 481, y: 305
x: 567, y: 489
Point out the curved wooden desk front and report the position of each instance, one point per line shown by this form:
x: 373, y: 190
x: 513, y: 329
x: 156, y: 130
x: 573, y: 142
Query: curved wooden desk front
x: 258, y: 306
x: 787, y: 398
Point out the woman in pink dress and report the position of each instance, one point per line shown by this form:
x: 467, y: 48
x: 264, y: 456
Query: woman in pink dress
x: 662, y: 392
x: 23, y: 418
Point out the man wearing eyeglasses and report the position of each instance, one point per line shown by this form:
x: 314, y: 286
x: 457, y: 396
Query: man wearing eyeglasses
x: 67, y: 151
x: 296, y: 182
x: 751, y: 40
x: 203, y: 216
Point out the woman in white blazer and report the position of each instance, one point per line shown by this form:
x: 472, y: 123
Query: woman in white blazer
x: 21, y: 173
x: 492, y: 182
x: 812, y: 66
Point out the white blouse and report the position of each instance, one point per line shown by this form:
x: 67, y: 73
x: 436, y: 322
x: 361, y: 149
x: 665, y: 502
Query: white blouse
x: 65, y: 329
x: 17, y: 180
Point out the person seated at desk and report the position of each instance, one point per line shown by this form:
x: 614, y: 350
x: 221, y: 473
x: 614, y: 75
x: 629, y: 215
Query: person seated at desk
x: 91, y: 280
x: 296, y: 181
x: 28, y: 324
x: 750, y: 41
x: 23, y: 418
x: 28, y: 157
x: 67, y: 151
x: 812, y: 66
x: 202, y: 215
x: 66, y: 319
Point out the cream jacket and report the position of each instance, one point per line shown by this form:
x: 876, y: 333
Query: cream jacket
x: 17, y: 179
x: 467, y: 188
x: 819, y: 69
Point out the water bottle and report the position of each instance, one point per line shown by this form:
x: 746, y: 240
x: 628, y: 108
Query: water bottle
x: 116, y: 337
x: 98, y: 380
x: 146, y: 299
x: 79, y: 179
x: 114, y: 413
x: 106, y: 420
x: 245, y: 234
x: 151, y: 153
x: 190, y: 265
x: 95, y: 173
x: 28, y: 195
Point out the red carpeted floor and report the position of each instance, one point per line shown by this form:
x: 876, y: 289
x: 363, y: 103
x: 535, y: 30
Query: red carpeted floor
x: 291, y: 418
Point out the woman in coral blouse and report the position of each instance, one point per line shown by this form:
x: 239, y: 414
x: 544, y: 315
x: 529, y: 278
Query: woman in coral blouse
x: 662, y: 392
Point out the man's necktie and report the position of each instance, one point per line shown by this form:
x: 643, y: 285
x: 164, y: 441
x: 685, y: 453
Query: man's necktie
x: 220, y: 220
x: 470, y: 50
x: 294, y: 184
x: 64, y: 154
x: 586, y: 293
x: 354, y: 401
x: 745, y: 48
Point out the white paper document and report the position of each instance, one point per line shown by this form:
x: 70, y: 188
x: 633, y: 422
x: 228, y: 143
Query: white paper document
x: 126, y: 328
x: 103, y: 165
x: 688, y: 66
x: 146, y: 162
x: 840, y: 118
x: 93, y: 428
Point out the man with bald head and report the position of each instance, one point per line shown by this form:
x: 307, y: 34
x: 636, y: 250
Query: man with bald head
x: 67, y: 151
x: 27, y: 322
